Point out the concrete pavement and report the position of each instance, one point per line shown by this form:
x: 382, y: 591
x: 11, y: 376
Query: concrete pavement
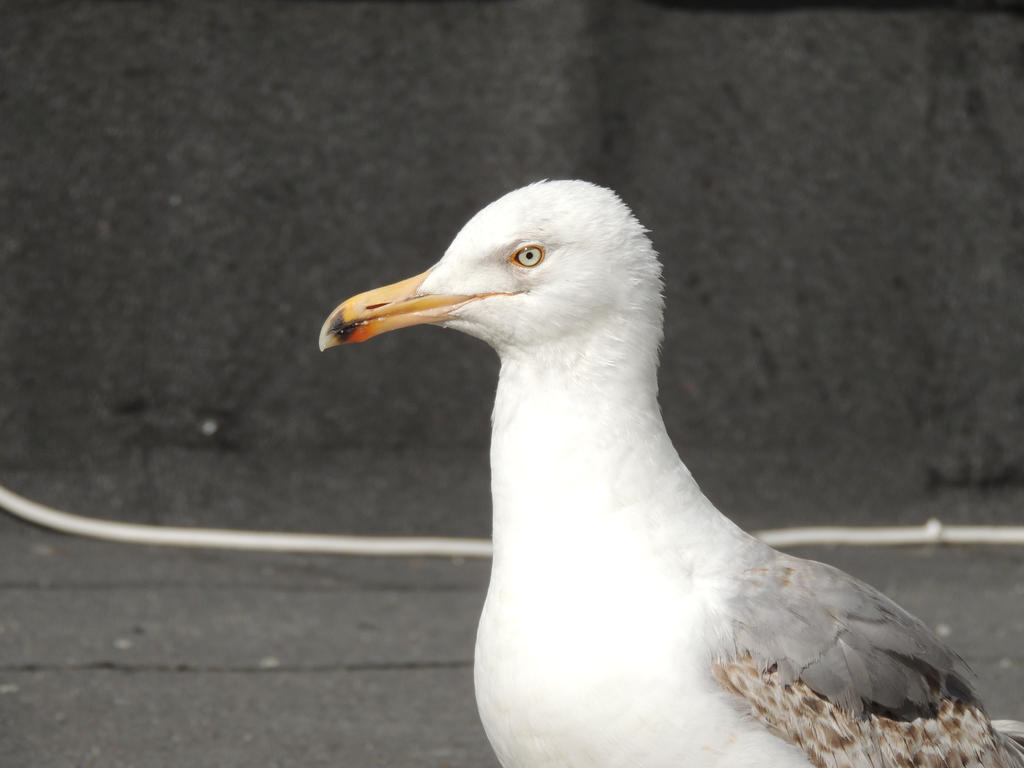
x: 115, y: 656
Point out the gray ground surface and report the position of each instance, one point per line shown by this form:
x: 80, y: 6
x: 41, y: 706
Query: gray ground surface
x: 113, y: 655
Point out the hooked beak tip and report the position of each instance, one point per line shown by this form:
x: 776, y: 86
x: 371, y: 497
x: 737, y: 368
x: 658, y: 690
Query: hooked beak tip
x: 332, y: 334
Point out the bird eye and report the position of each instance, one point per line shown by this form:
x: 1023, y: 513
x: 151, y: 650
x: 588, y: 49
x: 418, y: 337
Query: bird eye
x: 528, y: 256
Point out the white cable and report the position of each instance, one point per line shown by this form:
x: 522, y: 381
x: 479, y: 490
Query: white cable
x: 159, y: 535
x: 932, y: 532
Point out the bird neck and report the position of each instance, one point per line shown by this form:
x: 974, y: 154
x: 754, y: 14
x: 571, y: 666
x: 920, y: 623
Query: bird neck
x: 579, y: 448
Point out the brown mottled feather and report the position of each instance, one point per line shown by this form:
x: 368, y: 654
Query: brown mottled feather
x: 959, y: 735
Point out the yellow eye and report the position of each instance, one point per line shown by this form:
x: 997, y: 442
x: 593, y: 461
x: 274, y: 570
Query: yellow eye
x: 528, y: 256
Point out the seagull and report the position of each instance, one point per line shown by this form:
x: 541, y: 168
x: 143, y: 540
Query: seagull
x: 629, y: 623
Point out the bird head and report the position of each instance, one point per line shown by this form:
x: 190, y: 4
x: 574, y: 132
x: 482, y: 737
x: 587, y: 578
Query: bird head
x: 555, y: 265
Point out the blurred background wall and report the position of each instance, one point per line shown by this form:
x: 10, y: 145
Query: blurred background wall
x: 187, y: 189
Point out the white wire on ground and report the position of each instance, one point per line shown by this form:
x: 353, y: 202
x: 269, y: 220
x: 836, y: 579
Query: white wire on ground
x: 932, y: 532
x: 214, y: 538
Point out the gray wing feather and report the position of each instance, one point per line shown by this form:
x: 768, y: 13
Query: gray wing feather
x: 1012, y: 732
x: 846, y: 640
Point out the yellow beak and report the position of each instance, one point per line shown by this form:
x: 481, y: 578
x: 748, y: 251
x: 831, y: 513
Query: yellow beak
x: 385, y: 309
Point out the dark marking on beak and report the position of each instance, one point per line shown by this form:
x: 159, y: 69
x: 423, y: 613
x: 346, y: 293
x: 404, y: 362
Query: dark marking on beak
x: 342, y: 330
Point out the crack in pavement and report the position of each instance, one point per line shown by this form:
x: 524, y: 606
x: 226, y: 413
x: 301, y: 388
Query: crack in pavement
x: 45, y: 586
x: 183, y: 668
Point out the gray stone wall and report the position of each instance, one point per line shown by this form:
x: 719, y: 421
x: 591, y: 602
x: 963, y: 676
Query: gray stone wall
x: 186, y: 190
